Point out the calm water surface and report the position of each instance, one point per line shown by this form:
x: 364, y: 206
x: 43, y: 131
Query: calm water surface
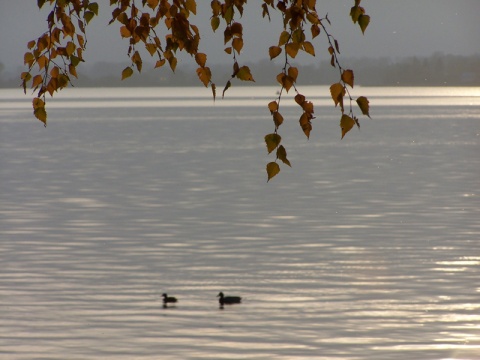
x: 368, y: 248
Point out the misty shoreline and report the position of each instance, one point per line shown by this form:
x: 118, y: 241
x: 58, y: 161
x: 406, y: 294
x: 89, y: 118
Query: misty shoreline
x: 435, y: 70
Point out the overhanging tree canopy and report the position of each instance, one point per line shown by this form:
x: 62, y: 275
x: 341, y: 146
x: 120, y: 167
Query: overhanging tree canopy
x: 162, y: 28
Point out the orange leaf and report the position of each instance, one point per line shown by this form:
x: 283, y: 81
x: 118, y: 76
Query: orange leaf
x: 277, y: 119
x: 37, y: 80
x: 363, y: 104
x: 347, y: 77
x: 127, y: 72
x: 159, y: 63
x: 273, y: 106
x: 282, y: 155
x: 346, y: 123
x: 305, y: 124
x: 299, y: 99
x: 204, y: 75
x: 151, y: 48
x: 338, y: 92
x: 274, y: 51
x: 201, y: 59
x: 124, y: 32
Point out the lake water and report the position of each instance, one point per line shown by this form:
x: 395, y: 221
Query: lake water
x: 367, y: 248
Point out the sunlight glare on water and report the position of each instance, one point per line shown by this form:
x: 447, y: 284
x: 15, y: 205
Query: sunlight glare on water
x: 367, y: 248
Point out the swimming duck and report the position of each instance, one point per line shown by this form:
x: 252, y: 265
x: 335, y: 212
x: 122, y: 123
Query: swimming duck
x: 228, y: 300
x: 168, y: 299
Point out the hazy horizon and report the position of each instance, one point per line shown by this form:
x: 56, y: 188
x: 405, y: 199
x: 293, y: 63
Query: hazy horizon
x: 397, y: 29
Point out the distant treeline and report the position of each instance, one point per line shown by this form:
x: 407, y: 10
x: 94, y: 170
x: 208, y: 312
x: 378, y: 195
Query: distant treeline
x: 435, y: 70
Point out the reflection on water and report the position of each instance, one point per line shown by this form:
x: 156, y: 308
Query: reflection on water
x: 366, y: 249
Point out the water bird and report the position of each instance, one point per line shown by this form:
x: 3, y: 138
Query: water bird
x: 168, y: 299
x: 228, y: 300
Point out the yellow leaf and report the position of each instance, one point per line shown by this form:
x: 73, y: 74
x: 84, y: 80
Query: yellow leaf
x: 151, y: 48
x: 237, y: 44
x: 364, y: 106
x: 308, y: 48
x: 38, y: 103
x: 244, y: 74
x: 191, y: 5
x: 37, y: 80
x: 70, y: 48
x: 363, y: 21
x: 127, y: 72
x: 298, y: 36
x: 173, y: 63
x: 292, y: 49
x: 152, y: 3
x: 228, y: 15
x: 28, y: 58
x: 355, y: 12
x: 39, y: 110
x: 338, y: 92
x: 347, y: 77
x: 315, y: 29
x: 42, y: 61
x: 62, y: 80
x: 272, y: 141
x: 282, y: 155
x: 272, y: 170
x: 284, y: 37
x: 214, y: 91
x: 52, y: 86
x: 346, y: 123
x: 26, y: 76
x: 81, y: 40
x: 88, y: 15
x: 288, y: 82
x: 137, y: 60
x: 227, y: 86
x: 305, y: 124
x: 41, y: 114
x: 215, y: 23
x: 313, y: 18
x: 293, y: 73
x: 31, y: 44
x: 72, y: 70
x: 285, y: 80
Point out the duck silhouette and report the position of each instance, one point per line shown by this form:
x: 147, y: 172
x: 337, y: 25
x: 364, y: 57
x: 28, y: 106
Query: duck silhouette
x: 168, y: 299
x: 228, y: 300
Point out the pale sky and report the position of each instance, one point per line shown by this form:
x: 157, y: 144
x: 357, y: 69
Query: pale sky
x: 398, y: 28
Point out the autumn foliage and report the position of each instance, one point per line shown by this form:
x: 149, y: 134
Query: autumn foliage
x: 163, y: 28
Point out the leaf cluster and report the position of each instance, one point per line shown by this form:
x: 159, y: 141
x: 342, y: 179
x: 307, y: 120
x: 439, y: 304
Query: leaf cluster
x: 53, y: 57
x: 162, y: 28
x: 301, y: 25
